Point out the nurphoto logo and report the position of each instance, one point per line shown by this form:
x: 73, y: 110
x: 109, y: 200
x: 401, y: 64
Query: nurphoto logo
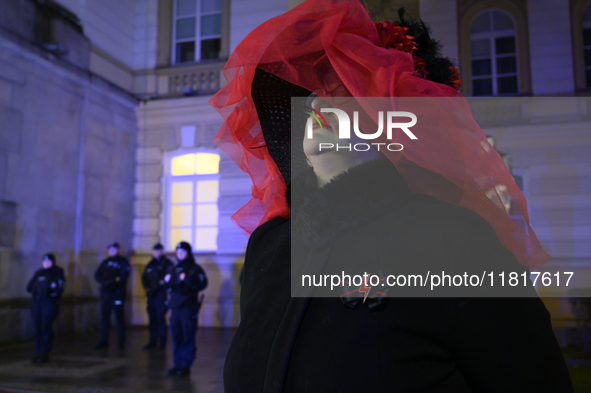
x: 391, y: 118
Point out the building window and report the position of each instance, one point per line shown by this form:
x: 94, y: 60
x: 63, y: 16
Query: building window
x: 197, y: 30
x: 493, y: 54
x: 587, y: 43
x: 192, y: 208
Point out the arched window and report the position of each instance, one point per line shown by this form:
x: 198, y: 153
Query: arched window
x: 587, y: 43
x: 191, y: 200
x: 493, y: 54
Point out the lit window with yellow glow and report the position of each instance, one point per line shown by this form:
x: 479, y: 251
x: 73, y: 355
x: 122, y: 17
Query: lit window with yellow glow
x: 195, y: 164
x: 193, y: 200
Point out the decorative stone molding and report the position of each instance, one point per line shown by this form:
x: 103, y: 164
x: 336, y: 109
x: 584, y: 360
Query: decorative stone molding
x: 194, y: 79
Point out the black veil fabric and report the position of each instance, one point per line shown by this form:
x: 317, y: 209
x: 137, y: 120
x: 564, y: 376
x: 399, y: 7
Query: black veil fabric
x: 272, y: 98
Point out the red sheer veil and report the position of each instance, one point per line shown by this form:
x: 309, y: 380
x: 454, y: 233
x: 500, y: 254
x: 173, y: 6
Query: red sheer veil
x: 327, y: 46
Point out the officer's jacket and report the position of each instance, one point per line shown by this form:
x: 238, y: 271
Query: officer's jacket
x: 47, y: 284
x: 184, y: 293
x: 154, y: 273
x: 108, y: 271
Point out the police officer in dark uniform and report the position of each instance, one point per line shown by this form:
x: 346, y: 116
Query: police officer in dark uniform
x: 153, y: 282
x: 183, y: 283
x: 112, y: 276
x: 47, y: 286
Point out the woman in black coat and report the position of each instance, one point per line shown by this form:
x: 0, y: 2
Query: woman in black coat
x: 362, y: 213
x: 46, y: 286
x: 183, y: 283
x: 326, y: 344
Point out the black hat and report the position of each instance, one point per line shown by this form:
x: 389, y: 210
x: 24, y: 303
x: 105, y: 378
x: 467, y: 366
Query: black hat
x: 158, y: 246
x: 114, y: 245
x: 185, y: 246
x: 50, y: 256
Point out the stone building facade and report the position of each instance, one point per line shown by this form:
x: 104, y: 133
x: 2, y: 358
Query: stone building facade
x: 98, y: 100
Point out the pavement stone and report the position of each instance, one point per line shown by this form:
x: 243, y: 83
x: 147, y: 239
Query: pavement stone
x: 76, y: 367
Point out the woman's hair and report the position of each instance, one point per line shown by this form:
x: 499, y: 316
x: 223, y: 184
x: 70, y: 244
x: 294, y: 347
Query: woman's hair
x: 439, y: 68
x: 50, y: 256
x: 187, y: 247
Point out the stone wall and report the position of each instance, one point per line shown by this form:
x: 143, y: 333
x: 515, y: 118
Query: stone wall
x: 246, y: 15
x: 109, y: 24
x: 550, y: 51
x: 442, y: 18
x: 67, y: 157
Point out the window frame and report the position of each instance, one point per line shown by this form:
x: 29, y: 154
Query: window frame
x: 197, y: 38
x: 166, y: 185
x: 518, y: 11
x: 492, y: 35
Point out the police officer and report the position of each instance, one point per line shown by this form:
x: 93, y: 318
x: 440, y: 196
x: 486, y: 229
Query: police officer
x: 183, y: 283
x: 47, y: 286
x: 112, y: 276
x: 153, y: 282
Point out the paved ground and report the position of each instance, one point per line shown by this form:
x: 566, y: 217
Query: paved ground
x: 76, y: 367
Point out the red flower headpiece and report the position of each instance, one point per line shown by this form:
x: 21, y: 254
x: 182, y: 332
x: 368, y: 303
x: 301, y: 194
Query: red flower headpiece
x: 393, y: 36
